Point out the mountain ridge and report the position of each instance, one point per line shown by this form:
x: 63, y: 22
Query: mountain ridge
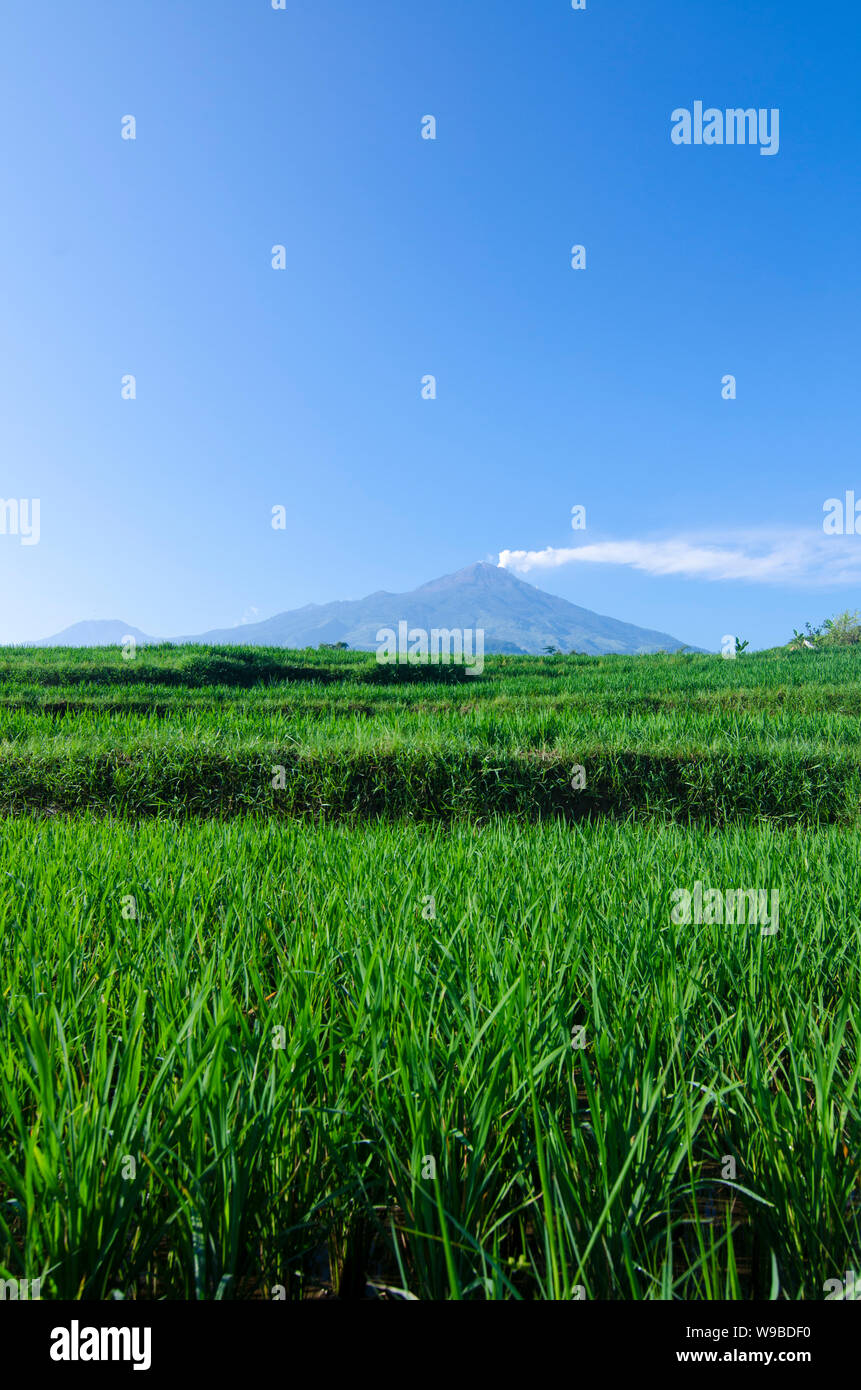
x: 516, y: 617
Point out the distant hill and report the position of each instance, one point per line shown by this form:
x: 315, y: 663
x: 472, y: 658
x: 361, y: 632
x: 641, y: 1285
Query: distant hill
x: 515, y: 616
x: 102, y: 632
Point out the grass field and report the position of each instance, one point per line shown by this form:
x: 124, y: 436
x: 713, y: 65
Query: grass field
x: 319, y: 979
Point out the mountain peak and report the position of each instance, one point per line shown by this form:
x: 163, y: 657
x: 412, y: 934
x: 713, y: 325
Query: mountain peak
x: 481, y: 573
x: 98, y: 632
x: 513, y: 614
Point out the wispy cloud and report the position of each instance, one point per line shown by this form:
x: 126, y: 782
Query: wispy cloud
x: 798, y: 558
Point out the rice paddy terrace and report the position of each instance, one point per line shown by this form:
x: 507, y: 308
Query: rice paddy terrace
x: 319, y: 977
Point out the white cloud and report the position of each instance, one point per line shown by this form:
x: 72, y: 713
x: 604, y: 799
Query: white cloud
x: 797, y: 558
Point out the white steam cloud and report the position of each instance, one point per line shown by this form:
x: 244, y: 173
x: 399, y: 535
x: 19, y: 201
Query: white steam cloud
x: 799, y: 558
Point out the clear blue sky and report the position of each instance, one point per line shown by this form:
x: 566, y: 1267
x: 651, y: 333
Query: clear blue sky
x: 405, y: 257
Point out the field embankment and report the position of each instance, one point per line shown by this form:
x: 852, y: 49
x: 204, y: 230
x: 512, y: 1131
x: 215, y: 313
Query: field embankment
x: 687, y: 738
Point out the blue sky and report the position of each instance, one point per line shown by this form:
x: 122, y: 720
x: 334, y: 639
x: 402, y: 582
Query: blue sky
x: 408, y: 257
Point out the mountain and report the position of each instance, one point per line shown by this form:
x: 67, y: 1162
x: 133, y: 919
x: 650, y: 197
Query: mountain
x: 515, y: 616
x: 102, y: 632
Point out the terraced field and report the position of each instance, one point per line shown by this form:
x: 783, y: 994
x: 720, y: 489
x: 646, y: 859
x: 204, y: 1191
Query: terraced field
x: 690, y: 737
x: 320, y: 977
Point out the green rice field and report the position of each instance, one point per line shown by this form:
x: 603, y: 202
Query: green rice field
x: 324, y: 979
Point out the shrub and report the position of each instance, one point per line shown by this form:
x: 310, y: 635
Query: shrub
x: 842, y: 631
